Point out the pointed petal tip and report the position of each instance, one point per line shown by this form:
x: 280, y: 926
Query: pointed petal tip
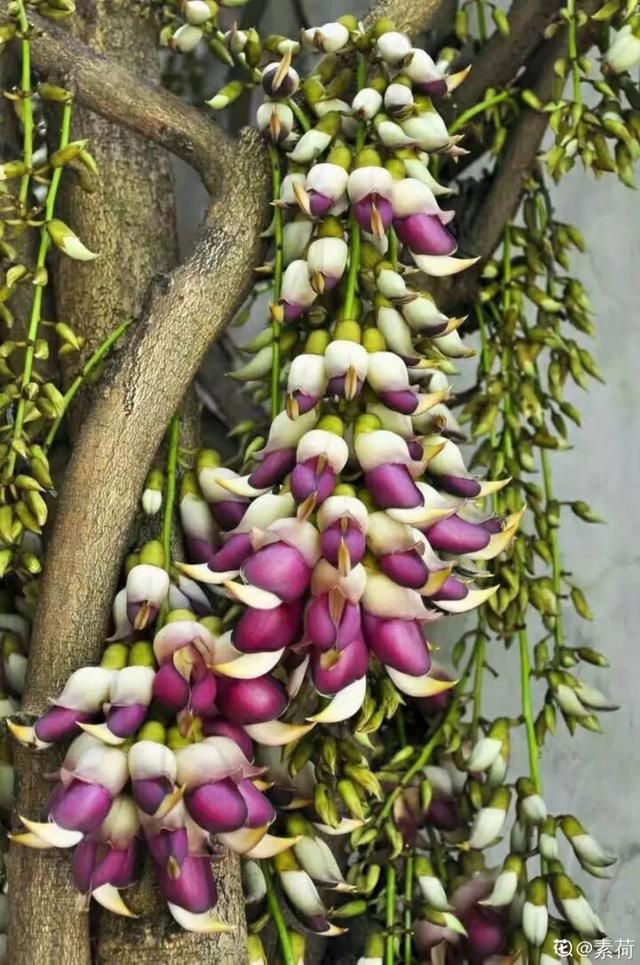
x: 52, y: 833
x: 110, y: 898
x: 275, y: 733
x: 102, y: 732
x: 26, y: 735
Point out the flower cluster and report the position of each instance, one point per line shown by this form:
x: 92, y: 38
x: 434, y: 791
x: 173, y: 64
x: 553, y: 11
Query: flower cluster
x: 354, y: 525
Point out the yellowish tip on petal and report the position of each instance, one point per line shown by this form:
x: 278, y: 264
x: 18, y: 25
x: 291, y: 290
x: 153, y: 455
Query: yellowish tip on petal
x: 109, y: 897
x: 275, y: 733
x: 102, y: 732
x: 424, y: 686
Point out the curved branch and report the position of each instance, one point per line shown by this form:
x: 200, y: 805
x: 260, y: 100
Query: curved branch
x: 122, y: 96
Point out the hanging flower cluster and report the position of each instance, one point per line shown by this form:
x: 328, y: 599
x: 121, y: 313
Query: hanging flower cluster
x: 355, y: 525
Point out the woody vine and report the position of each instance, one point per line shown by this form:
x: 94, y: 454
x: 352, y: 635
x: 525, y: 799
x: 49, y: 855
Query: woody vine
x: 266, y: 687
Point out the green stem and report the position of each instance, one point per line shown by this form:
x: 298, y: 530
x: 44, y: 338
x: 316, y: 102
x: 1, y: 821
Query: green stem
x: 480, y: 649
x: 27, y: 106
x: 354, y: 227
x: 82, y: 376
x: 409, y: 868
x: 556, y: 562
x: 527, y: 710
x: 276, y: 916
x: 482, y: 20
x: 36, y: 306
x: 467, y: 115
x: 278, y: 266
x: 390, y: 913
x: 173, y: 443
x: 300, y: 115
x: 572, y: 43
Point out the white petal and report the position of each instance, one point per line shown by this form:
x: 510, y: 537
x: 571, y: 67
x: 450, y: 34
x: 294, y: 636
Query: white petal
x: 201, y: 924
x: 110, y: 898
x: 275, y: 733
x: 53, y: 834
x: 439, y: 266
x: 345, y: 704
x: 248, y: 666
x: 424, y: 686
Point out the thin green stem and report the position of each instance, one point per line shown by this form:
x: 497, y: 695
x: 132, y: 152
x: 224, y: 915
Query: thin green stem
x: 36, y: 305
x: 478, y: 108
x: 480, y: 649
x: 409, y: 868
x: 277, y: 918
x: 482, y: 20
x: 299, y: 114
x: 572, y: 44
x: 527, y: 710
x: 390, y: 914
x: 27, y: 106
x: 556, y: 561
x: 278, y: 266
x: 82, y: 376
x: 354, y: 227
x: 173, y: 443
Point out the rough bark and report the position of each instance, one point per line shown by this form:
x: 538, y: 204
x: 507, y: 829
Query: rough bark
x: 129, y: 220
x: 126, y: 97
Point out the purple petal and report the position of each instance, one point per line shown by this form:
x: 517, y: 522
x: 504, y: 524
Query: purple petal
x: 486, y: 934
x: 434, y: 88
x: 400, y: 400
x: 273, y: 468
x: 392, y: 487
x: 337, y: 383
x: 169, y: 846
x: 58, y: 723
x: 406, y: 568
x: 363, y: 209
x: 319, y: 204
x: 305, y: 480
x: 228, y: 512
x: 83, y: 862
x: 170, y: 688
x: 198, y: 550
x: 443, y: 814
x: 260, y: 810
x: 150, y: 793
x: 194, y: 889
x: 224, y: 728
x: 451, y: 589
x: 305, y: 402
x: 398, y: 643
x: 456, y: 535
x: 217, y: 807
x: 260, y: 630
x: 336, y: 669
x: 321, y: 628
x: 425, y: 234
x: 203, y: 695
x: 233, y: 554
x: 82, y: 806
x: 251, y: 701
x: 459, y: 486
x: 124, y: 721
x: 280, y: 569
x: 332, y: 537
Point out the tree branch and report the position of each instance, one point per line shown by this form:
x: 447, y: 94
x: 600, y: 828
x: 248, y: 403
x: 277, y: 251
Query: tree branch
x: 412, y: 16
x: 121, y: 96
x: 501, y: 57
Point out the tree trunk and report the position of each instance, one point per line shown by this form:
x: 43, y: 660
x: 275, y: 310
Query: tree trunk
x: 129, y: 220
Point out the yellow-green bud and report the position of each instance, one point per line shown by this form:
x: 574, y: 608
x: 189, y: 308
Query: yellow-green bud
x: 115, y: 657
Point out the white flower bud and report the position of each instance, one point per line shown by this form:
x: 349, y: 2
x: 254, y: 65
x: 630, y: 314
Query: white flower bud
x: 68, y: 242
x: 393, y: 47
x: 301, y: 892
x: 535, y: 922
x: 310, y: 146
x: 327, y: 179
x: 327, y: 258
x: 488, y: 822
x: 392, y: 135
x: 504, y: 889
x: 484, y: 753
x: 391, y: 284
x: 624, y: 52
x: 369, y: 180
x: 398, y: 99
x: 417, y: 169
x: 151, y: 501
x: 330, y: 38
x: 186, y: 38
x: 197, y: 12
x: 428, y: 131
x: 421, y: 68
x: 433, y: 892
x: 295, y: 238
x: 366, y: 104
x: 296, y: 287
x: 276, y: 118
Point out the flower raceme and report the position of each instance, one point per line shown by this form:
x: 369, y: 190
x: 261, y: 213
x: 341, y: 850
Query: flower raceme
x: 352, y: 525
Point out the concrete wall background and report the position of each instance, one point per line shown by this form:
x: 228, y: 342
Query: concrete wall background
x: 595, y: 777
